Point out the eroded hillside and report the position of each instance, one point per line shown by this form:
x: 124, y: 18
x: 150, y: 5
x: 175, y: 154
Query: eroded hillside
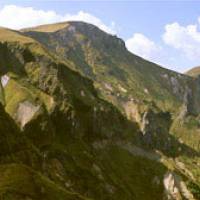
x: 92, y: 121
x: 134, y: 85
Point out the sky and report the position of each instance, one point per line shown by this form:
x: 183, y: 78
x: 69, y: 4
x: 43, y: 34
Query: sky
x: 164, y: 32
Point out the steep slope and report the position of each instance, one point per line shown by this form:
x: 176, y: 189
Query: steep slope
x: 109, y: 171
x: 116, y: 72
x: 135, y: 86
x: 19, y: 160
x: 82, y: 146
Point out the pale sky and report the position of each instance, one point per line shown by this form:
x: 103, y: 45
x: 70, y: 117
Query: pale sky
x: 165, y: 32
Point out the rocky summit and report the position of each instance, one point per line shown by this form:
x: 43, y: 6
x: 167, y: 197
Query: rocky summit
x: 82, y: 118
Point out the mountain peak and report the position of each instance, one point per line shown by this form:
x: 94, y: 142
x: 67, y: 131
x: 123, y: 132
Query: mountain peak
x: 61, y: 25
x: 81, y: 29
x: 47, y: 27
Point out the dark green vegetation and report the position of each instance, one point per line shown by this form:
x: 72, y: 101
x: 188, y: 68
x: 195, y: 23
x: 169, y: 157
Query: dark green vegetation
x: 83, y: 118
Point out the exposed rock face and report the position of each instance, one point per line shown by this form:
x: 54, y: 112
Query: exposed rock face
x: 153, y: 123
x: 2, y: 99
x: 191, y: 99
x: 4, y: 80
x: 175, y: 188
x: 196, y: 95
x: 132, y: 111
x: 25, y: 113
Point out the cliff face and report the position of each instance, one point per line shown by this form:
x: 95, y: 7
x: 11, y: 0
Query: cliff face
x: 85, y: 119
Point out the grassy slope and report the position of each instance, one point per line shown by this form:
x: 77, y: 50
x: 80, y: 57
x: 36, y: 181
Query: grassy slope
x: 26, y: 183
x: 120, y: 77
x: 72, y: 162
x: 104, y: 59
x: 194, y: 72
x: 108, y: 173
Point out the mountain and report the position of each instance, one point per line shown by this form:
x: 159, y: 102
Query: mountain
x: 83, y: 118
x: 105, y: 59
x: 129, y: 82
x: 194, y: 72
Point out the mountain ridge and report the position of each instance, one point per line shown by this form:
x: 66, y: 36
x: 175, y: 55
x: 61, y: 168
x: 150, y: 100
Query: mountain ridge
x: 91, y: 132
x: 125, y: 80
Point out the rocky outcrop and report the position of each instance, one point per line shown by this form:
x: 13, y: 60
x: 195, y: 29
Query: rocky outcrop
x: 175, y: 188
x: 154, y: 124
x: 25, y: 112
